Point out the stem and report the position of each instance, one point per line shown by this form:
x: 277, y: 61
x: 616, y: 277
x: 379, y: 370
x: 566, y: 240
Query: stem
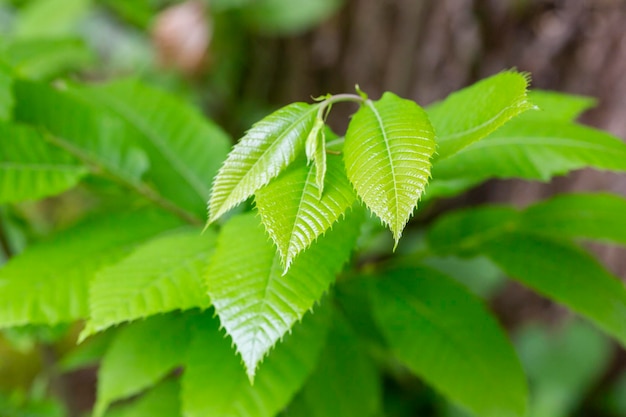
x: 338, y: 98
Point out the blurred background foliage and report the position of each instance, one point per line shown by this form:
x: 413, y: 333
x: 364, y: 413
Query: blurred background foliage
x: 239, y: 59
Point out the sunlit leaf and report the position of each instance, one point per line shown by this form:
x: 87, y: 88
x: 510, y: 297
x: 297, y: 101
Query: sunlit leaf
x: 31, y: 168
x: 387, y: 154
x: 141, y: 354
x: 231, y: 395
x: 46, y: 18
x: 162, y: 275
x: 48, y: 282
x: 292, y: 212
x: 566, y: 274
x: 472, y: 113
x: 266, y: 149
x: 448, y: 338
x: 256, y: 303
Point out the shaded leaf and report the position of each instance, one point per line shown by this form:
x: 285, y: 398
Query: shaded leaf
x: 162, y: 275
x: 566, y: 274
x: 231, y: 395
x: 161, y: 401
x: 387, y: 154
x: 292, y: 212
x: 141, y: 354
x: 447, y: 337
x: 31, y: 168
x: 48, y: 282
x: 472, y: 113
x: 256, y: 303
x: 6, y: 95
x: 185, y: 148
x: 266, y: 149
x: 537, y: 150
x: 287, y: 16
x: 80, y: 128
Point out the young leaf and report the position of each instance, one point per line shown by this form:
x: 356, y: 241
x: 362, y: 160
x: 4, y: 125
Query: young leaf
x: 294, y: 215
x: 345, y: 381
x: 215, y: 385
x: 447, y: 337
x: 79, y: 127
x: 316, y: 152
x: 537, y: 149
x: 141, y: 355
x: 589, y: 216
x: 256, y: 303
x: 161, y: 401
x: 469, y: 115
x: 30, y: 168
x: 48, y: 282
x: 162, y: 275
x: 566, y: 274
x: 265, y: 150
x: 185, y: 148
x: 387, y: 154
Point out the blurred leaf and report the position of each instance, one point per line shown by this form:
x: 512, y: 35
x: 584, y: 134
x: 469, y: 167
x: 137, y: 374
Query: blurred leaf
x: 555, y: 106
x: 589, y: 216
x: 81, y: 128
x: 185, y: 148
x: 141, y: 354
x: 345, y: 382
x: 557, y: 387
x: 472, y: 113
x: 6, y: 95
x: 162, y: 275
x: 47, y: 18
x: 88, y: 353
x: 447, y: 337
x: 161, y: 401
x: 292, y: 212
x: 387, y: 154
x: 46, y: 58
x: 48, y: 282
x: 231, y: 395
x: 256, y: 303
x: 287, y: 16
x: 266, y: 149
x: 31, y: 168
x: 565, y: 273
x: 538, y: 150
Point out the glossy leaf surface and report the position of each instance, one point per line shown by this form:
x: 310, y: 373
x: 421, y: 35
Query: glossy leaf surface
x: 266, y: 149
x: 31, y: 168
x: 257, y: 304
x: 48, y: 283
x: 387, y: 154
x: 279, y: 377
x: 472, y: 113
x: 293, y: 213
x: 448, y: 338
x: 162, y: 275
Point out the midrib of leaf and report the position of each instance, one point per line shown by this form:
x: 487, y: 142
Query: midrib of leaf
x: 292, y: 245
x: 149, y: 133
x: 275, y: 144
x: 398, y: 227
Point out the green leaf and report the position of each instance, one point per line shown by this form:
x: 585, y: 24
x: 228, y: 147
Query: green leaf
x: 469, y: 115
x: 257, y: 303
x: 345, y: 381
x: 161, y: 401
x: 30, y: 168
x: 536, y: 150
x: 294, y: 215
x: 141, y: 354
x: 288, y: 16
x: 447, y: 337
x: 162, y: 275
x: 88, y: 353
x: 48, y: 282
x: 589, y: 216
x: 185, y: 148
x: 46, y: 18
x: 316, y: 152
x: 80, y: 128
x: 557, y: 106
x: 215, y: 385
x: 387, y: 154
x: 463, y: 231
x: 6, y: 95
x: 265, y: 150
x: 564, y: 273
